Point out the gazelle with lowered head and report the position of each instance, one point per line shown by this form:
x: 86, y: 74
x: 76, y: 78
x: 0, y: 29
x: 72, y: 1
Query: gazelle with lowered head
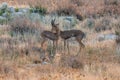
x: 65, y: 35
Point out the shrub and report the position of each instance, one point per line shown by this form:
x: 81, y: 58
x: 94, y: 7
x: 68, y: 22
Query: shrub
x: 77, y: 2
x: 1, y: 12
x: 111, y: 2
x: 4, y: 6
x: 16, y: 9
x: 66, y: 10
x: 39, y: 10
x: 3, y: 20
x: 22, y: 25
x: 71, y: 61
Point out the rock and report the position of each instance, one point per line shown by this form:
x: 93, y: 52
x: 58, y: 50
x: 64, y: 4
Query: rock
x: 24, y: 10
x: 69, y: 22
x: 44, y: 63
x: 103, y: 37
x: 6, y: 14
x: 68, y: 18
x: 17, y: 14
x: 66, y: 25
x: 11, y: 9
x: 110, y: 36
x: 34, y: 16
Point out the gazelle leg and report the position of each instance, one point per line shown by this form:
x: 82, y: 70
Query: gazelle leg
x: 54, y: 46
x: 79, y: 48
x: 64, y: 44
x: 68, y: 47
x: 81, y: 45
x: 78, y: 39
x: 53, y: 49
x: 56, y: 43
x: 44, y: 49
x: 42, y: 43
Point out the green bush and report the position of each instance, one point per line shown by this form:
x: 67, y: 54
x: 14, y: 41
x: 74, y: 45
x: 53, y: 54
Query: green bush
x: 38, y: 9
x: 16, y: 9
x: 2, y: 11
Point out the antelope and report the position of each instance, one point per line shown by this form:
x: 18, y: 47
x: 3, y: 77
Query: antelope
x: 65, y: 35
x: 51, y: 36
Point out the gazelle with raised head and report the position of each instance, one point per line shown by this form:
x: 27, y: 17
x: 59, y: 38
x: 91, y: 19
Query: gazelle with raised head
x: 48, y: 35
x: 65, y: 35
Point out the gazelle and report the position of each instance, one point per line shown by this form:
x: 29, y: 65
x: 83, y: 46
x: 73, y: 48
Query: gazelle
x: 65, y: 35
x: 48, y: 35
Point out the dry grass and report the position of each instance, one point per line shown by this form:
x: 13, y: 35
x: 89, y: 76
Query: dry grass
x: 21, y: 54
x: 21, y: 57
x: 94, y: 66
x: 94, y: 62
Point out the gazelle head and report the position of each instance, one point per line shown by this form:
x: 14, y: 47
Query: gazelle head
x: 55, y: 28
x: 53, y: 22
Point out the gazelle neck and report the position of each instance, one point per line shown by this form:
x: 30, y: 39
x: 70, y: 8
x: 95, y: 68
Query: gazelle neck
x: 58, y: 31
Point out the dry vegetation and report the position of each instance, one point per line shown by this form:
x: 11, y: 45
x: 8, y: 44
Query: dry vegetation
x: 21, y: 54
x: 81, y: 7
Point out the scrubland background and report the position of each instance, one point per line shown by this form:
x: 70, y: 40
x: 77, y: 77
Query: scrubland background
x: 22, y: 21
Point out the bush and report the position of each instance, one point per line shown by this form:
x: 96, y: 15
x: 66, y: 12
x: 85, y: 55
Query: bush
x: 39, y: 10
x: 66, y: 11
x: 77, y: 2
x: 4, y: 6
x: 16, y: 9
x: 22, y: 25
x: 111, y: 2
x: 71, y: 61
x: 1, y: 12
x: 3, y: 20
